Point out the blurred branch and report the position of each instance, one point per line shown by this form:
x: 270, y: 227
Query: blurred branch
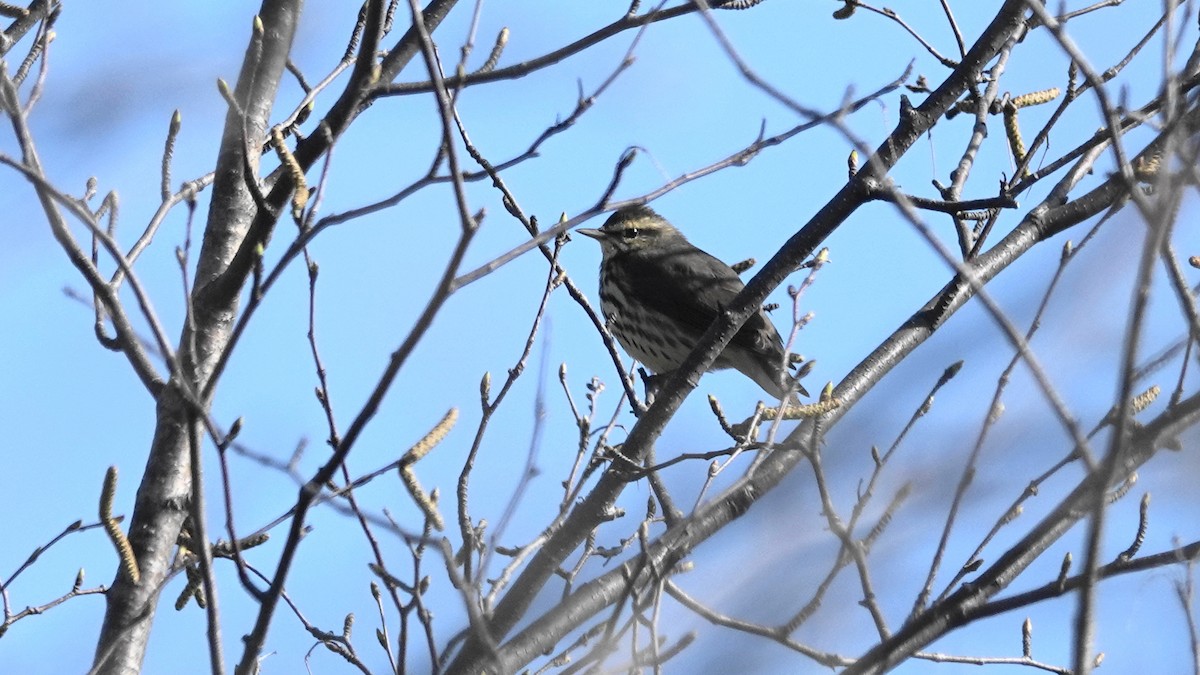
x: 1182, y: 555
x: 955, y: 610
x: 994, y: 412
x: 778, y: 634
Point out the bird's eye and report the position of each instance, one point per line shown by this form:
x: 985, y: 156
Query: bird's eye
x: 630, y: 233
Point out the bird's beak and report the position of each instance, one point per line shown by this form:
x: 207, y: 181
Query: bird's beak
x: 594, y: 234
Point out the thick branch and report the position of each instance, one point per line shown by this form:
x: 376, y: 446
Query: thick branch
x: 594, y: 508
x: 164, y: 492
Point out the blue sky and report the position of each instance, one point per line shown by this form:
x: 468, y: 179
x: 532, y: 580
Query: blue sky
x: 117, y: 73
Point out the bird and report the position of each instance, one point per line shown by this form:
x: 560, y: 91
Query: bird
x: 659, y: 294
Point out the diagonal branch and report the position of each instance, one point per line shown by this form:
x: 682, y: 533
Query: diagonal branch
x: 593, y: 508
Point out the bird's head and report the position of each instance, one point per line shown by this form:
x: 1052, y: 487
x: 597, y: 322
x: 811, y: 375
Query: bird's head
x: 634, y: 229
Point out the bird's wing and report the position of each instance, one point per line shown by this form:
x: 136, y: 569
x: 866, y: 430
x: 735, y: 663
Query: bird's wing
x: 692, y: 287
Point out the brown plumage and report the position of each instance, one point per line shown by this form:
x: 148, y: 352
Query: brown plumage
x: 659, y: 294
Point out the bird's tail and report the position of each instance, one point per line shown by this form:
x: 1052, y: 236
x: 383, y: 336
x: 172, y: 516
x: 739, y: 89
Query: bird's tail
x: 778, y: 382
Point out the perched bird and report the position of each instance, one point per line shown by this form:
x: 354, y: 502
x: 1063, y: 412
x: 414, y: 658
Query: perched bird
x: 659, y: 294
